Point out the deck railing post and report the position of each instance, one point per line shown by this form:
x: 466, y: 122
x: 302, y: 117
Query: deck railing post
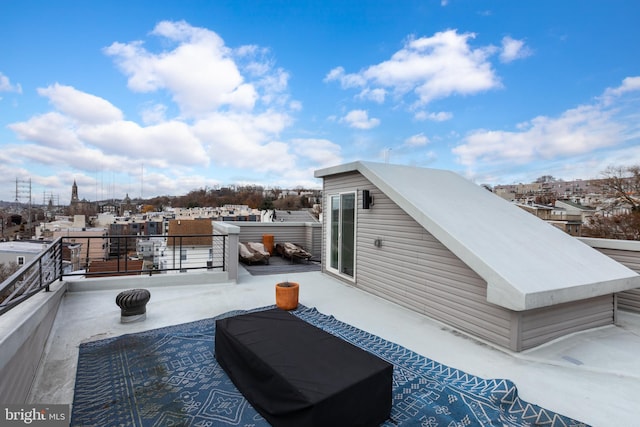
x: 61, y: 265
x: 224, y: 252
x: 180, y: 263
x: 126, y: 253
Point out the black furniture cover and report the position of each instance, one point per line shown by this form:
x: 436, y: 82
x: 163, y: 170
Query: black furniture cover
x: 295, y: 374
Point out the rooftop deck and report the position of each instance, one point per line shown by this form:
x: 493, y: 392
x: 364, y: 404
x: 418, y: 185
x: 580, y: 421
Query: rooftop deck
x: 280, y: 265
x: 592, y: 376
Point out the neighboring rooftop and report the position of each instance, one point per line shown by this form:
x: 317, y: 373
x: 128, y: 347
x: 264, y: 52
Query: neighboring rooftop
x: 575, y: 205
x: 293, y: 216
x: 23, y: 246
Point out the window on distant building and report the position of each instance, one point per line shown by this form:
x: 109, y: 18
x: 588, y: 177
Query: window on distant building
x: 183, y: 254
x: 20, y: 260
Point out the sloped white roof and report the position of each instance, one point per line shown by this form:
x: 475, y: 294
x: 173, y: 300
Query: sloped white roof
x: 526, y: 262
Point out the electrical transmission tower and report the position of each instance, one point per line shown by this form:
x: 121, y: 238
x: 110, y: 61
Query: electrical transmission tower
x: 50, y: 203
x: 23, y: 198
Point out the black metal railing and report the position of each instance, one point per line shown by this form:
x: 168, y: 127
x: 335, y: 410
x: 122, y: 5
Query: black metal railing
x: 32, y: 278
x: 154, y: 254
x: 100, y: 256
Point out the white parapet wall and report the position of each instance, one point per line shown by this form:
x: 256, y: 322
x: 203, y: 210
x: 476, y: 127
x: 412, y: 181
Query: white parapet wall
x: 24, y: 331
x: 230, y: 248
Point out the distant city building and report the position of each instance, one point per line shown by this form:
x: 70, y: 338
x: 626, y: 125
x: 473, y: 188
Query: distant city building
x: 74, y: 193
x: 77, y: 206
x: 189, y: 244
x: 586, y: 192
x: 224, y: 213
x: 567, y: 205
x: 21, y: 251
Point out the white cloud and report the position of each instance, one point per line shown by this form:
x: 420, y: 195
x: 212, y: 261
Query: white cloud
x: 375, y: 95
x: 577, y: 131
x: 62, y: 140
x: 346, y: 80
x: 80, y: 105
x: 154, y: 114
x: 244, y: 140
x: 333, y: 75
x: 295, y: 105
x: 233, y: 108
x: 513, y: 49
x: 200, y: 72
x: 272, y: 87
x: 428, y: 67
x: 359, y: 119
x: 629, y: 84
x: 53, y: 130
x: 84, y: 123
x: 6, y: 86
x: 417, y: 140
x: 440, y: 116
x: 204, y: 78
x: 168, y: 143
x: 79, y: 158
x: 321, y: 152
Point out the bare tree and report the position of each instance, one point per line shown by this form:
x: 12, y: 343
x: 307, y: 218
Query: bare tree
x: 620, y: 218
x: 288, y: 203
x: 7, y: 270
x: 622, y: 184
x: 620, y: 226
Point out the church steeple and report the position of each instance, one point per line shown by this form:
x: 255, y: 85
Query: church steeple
x: 74, y: 192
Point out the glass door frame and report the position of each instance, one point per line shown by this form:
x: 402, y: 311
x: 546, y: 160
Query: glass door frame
x: 335, y: 245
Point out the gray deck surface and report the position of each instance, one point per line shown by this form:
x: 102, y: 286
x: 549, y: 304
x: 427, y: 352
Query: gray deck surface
x: 593, y: 376
x: 279, y: 265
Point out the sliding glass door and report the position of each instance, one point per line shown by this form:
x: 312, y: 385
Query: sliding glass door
x: 342, y: 233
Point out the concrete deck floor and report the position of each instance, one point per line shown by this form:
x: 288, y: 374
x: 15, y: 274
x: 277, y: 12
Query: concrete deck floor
x: 592, y: 376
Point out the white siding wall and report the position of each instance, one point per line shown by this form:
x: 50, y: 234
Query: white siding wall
x: 629, y: 300
x: 545, y: 324
x: 412, y: 268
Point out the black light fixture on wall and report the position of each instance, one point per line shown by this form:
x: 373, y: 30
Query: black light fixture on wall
x: 367, y: 199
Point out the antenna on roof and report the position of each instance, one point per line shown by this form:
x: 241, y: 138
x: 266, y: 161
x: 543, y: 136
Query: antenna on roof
x: 141, y: 178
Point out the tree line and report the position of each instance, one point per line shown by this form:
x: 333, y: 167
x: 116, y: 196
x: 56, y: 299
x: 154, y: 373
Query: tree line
x: 620, y: 218
x: 255, y: 197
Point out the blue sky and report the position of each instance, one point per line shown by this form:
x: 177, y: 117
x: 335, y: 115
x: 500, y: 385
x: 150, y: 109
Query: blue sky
x: 154, y: 98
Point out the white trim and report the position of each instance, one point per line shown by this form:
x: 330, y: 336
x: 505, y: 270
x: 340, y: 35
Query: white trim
x: 328, y: 218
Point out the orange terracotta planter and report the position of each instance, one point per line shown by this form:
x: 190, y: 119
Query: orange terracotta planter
x: 267, y: 241
x: 287, y: 295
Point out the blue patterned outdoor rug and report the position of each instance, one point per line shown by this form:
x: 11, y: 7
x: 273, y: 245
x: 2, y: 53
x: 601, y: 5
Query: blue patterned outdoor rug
x: 169, y: 377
